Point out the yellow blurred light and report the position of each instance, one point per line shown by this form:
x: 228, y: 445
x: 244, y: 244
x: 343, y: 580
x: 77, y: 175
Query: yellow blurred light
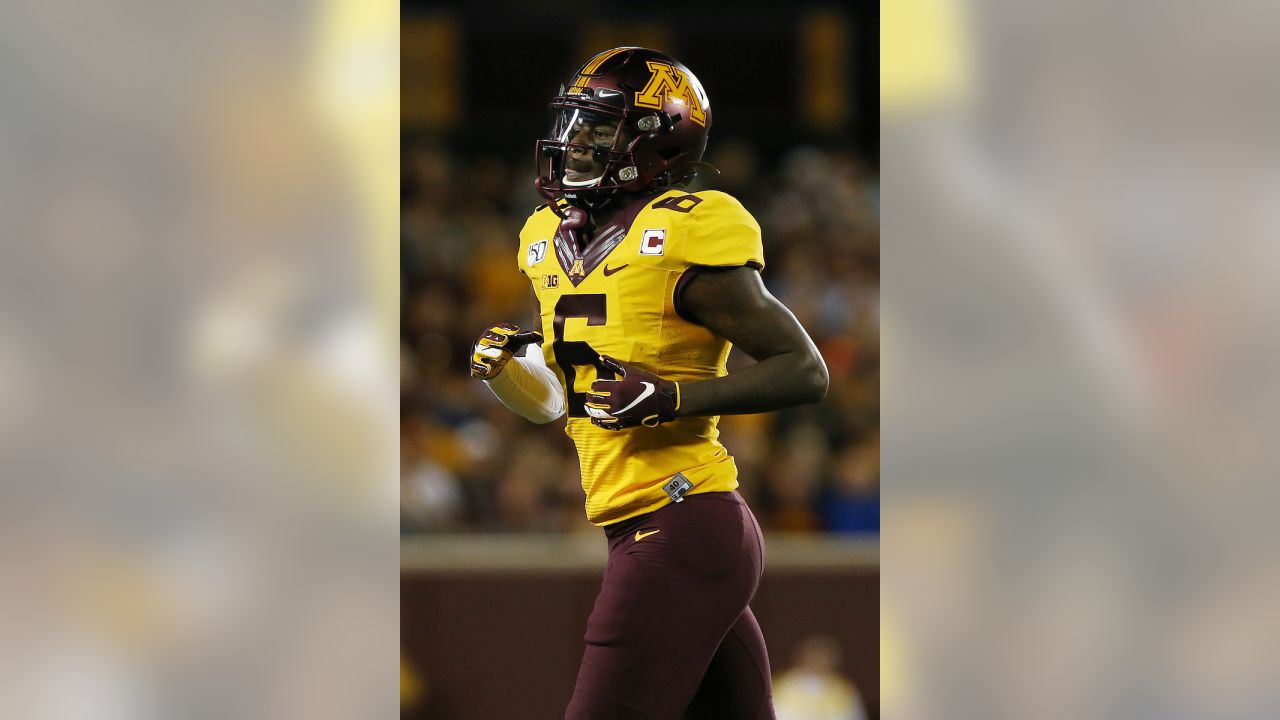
x: 924, y: 55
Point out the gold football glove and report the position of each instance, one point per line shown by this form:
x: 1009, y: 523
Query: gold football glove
x: 496, y: 347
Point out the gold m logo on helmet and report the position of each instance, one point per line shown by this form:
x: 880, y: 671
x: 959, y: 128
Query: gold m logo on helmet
x: 676, y: 86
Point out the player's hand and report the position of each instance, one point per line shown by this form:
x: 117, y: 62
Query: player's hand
x: 495, y: 348
x: 636, y: 397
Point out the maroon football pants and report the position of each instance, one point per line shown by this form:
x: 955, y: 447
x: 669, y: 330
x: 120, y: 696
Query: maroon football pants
x: 671, y: 636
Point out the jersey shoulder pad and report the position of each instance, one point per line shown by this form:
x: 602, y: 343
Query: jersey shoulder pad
x: 720, y: 232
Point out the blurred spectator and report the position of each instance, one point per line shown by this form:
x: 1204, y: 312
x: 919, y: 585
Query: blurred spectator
x: 430, y: 498
x: 814, y: 688
x: 853, y: 501
x: 793, y: 481
x: 469, y: 464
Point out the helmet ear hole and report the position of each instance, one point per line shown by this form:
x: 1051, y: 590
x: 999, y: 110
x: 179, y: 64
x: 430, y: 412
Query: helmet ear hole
x: 668, y: 153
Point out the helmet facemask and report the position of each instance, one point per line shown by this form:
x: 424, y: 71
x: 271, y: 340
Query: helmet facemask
x: 585, y: 156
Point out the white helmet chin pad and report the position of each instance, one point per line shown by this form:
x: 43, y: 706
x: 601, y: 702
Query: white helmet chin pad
x: 581, y: 183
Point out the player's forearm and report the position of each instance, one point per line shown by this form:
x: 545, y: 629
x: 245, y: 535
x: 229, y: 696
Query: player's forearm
x: 529, y: 388
x: 777, y: 382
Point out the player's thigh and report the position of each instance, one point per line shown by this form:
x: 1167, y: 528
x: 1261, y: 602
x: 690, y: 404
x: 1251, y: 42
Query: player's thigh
x: 737, y: 684
x: 656, y: 625
x: 647, y: 645
x: 687, y: 572
x: 630, y: 603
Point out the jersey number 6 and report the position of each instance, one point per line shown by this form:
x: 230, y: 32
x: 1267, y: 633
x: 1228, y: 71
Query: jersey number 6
x: 575, y: 353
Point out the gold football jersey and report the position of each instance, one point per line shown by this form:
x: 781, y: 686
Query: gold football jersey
x: 617, y: 297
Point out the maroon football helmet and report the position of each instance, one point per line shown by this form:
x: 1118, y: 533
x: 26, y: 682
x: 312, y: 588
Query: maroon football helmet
x: 637, y: 117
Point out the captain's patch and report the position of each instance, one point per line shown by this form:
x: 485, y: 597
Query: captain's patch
x: 652, y: 241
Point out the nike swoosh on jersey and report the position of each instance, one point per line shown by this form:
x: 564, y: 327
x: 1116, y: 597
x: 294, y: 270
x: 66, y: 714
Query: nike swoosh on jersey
x: 642, y: 535
x: 648, y: 390
x: 609, y: 271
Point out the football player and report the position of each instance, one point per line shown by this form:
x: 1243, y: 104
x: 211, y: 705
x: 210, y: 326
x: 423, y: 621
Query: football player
x: 641, y: 289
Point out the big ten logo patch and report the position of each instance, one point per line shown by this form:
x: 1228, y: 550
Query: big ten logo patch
x: 652, y: 242
x: 537, y: 252
x: 670, y: 82
x: 551, y: 281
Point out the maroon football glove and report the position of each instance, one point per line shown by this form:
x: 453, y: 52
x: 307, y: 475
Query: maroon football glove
x: 493, y: 350
x: 636, y: 397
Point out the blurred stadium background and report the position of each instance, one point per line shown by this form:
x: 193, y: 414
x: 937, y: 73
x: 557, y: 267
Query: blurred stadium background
x: 499, y: 566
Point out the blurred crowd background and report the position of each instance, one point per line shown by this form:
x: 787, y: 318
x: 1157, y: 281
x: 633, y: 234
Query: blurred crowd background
x: 794, y: 140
